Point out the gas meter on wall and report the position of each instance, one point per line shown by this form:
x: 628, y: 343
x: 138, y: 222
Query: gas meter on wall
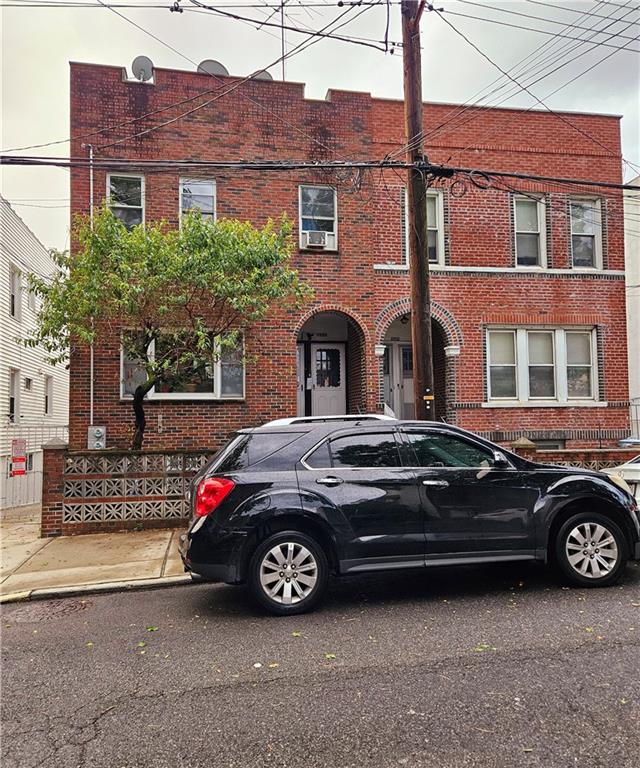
x: 96, y: 438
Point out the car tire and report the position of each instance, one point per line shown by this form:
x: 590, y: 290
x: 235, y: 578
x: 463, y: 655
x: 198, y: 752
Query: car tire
x: 288, y: 573
x: 591, y: 550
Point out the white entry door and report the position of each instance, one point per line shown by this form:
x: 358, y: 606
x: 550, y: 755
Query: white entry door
x: 328, y: 380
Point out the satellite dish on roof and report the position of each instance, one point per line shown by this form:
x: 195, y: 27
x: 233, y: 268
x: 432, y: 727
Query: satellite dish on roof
x: 211, y: 67
x: 142, y: 68
x: 261, y: 74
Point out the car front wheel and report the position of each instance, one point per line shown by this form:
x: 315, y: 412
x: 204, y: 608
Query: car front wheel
x: 288, y: 573
x: 591, y: 550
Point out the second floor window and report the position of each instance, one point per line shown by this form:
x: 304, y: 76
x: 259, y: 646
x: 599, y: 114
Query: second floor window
x: 15, y: 296
x: 14, y: 395
x: 48, y: 395
x: 198, y: 194
x: 586, y: 234
x: 529, y: 232
x: 126, y: 198
x: 435, y: 227
x: 318, y: 218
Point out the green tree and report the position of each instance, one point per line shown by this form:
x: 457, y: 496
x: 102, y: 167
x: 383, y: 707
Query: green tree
x: 178, y: 297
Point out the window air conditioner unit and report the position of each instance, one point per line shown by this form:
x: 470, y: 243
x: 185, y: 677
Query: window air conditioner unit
x: 316, y: 239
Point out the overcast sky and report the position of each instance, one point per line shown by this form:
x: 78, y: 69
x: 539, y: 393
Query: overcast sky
x: 38, y: 43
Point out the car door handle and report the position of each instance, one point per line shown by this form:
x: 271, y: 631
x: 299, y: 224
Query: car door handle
x: 436, y: 483
x: 330, y: 481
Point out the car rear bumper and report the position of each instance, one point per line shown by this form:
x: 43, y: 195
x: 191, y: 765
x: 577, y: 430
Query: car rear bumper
x: 214, y: 555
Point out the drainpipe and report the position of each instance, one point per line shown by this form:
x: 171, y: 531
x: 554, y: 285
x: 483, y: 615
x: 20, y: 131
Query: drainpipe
x: 91, y: 358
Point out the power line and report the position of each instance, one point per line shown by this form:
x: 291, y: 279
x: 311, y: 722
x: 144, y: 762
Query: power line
x: 532, y: 29
x: 289, y: 165
x: 580, y: 74
x: 541, y: 18
x: 82, y: 137
x: 562, y: 53
x: 297, y: 49
x: 521, y: 86
x: 484, y: 93
x: 574, y: 10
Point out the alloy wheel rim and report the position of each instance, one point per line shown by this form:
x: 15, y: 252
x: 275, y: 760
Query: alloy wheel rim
x: 592, y: 550
x: 288, y: 573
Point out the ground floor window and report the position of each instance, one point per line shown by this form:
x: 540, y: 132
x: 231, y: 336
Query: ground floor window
x: 222, y: 379
x: 541, y: 364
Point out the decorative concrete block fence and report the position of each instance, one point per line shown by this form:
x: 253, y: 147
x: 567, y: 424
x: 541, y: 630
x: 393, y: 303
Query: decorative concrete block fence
x: 90, y: 491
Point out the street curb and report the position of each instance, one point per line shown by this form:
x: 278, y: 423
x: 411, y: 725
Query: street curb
x: 85, y: 589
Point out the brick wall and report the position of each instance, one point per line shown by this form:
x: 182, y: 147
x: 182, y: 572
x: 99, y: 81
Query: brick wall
x: 273, y: 120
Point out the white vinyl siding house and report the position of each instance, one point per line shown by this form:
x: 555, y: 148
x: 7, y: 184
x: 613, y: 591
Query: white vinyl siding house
x: 28, y: 384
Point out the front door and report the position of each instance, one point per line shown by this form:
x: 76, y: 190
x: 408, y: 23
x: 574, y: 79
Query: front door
x: 472, y: 508
x: 357, y: 483
x: 405, y: 360
x: 328, y: 380
x: 398, y: 380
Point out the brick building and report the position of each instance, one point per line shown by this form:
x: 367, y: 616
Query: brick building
x: 527, y: 286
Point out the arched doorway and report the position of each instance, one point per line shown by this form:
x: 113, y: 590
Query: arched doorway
x: 330, y: 365
x: 398, y: 369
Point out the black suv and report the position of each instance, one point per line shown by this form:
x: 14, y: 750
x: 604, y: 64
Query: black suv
x: 282, y: 507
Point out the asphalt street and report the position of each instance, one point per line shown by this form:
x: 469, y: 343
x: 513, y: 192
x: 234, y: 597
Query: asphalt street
x: 481, y: 666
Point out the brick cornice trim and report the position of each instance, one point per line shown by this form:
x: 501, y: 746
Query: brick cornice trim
x: 539, y: 318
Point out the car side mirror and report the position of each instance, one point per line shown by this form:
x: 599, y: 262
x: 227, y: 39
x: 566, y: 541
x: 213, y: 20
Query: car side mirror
x: 500, y: 461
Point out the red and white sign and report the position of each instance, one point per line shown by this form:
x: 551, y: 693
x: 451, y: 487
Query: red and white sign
x: 18, y: 456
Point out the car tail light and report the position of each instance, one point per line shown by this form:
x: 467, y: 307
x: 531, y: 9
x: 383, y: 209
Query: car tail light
x: 211, y: 492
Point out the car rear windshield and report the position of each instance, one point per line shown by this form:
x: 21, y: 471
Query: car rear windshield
x: 250, y: 449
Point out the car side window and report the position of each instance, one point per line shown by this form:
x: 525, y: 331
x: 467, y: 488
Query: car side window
x: 320, y: 458
x: 363, y: 451
x: 432, y: 449
x: 367, y: 450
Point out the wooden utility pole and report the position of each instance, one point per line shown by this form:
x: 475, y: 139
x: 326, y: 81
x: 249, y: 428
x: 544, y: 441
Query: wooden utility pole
x: 417, y: 214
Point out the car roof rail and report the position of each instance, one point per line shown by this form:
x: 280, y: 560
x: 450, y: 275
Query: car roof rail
x: 330, y: 418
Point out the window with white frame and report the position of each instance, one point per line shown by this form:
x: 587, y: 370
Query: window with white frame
x: 435, y: 226
x: 529, y: 215
x: 541, y: 364
x: 586, y: 233
x: 579, y: 365
x: 222, y: 379
x: 125, y: 194
x: 198, y: 194
x: 537, y: 365
x: 503, y: 380
x: 14, y: 395
x: 48, y: 395
x: 15, y: 292
x: 318, y: 217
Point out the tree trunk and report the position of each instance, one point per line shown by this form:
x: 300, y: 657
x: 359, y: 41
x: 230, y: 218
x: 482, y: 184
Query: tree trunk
x: 138, y: 410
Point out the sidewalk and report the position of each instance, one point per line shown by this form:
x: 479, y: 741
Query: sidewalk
x: 32, y: 567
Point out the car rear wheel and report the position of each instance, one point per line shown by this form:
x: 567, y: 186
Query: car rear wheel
x: 591, y: 550
x: 288, y: 573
